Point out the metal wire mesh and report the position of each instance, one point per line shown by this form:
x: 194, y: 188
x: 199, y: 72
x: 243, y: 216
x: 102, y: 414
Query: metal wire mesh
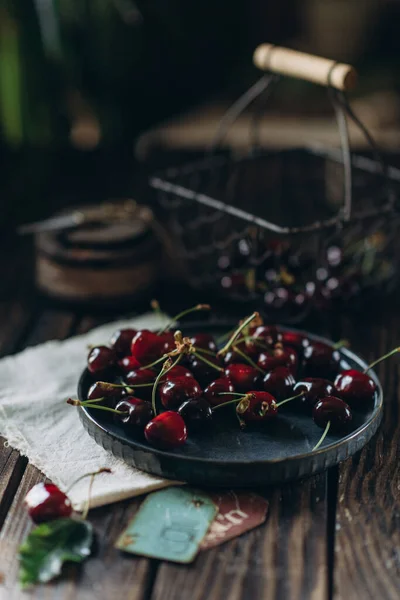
x: 289, y: 230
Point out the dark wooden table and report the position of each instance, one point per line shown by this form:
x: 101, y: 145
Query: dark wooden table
x: 336, y: 535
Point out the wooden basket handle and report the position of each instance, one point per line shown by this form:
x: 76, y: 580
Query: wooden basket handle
x: 316, y: 69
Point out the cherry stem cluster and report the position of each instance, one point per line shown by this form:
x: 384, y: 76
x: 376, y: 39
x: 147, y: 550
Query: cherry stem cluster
x: 237, y: 332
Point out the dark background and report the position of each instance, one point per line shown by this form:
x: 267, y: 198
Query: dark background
x: 80, y: 80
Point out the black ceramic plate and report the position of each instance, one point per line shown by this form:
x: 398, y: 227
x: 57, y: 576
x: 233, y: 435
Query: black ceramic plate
x: 225, y: 456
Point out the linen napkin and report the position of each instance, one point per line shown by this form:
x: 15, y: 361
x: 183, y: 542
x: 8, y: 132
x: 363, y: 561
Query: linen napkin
x: 35, y: 419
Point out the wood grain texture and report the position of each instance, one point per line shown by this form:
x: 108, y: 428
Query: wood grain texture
x: 284, y: 558
x: 367, y: 546
x: 109, y: 573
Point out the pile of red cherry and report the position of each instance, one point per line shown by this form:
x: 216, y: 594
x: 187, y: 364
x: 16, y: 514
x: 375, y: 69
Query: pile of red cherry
x: 260, y: 368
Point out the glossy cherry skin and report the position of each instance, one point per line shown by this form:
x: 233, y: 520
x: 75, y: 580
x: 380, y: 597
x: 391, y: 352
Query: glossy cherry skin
x: 138, y: 377
x: 204, y: 341
x: 232, y: 357
x: 215, y: 388
x: 257, y: 407
x: 137, y: 413
x: 196, y: 413
x: 147, y: 346
x: 355, y: 388
x: 168, y: 341
x: 279, y: 383
x: 202, y: 372
x: 166, y: 431
x: 174, y: 392
x: 46, y: 502
x: 129, y: 363
x: 320, y: 360
x: 243, y: 377
x: 121, y: 341
x: 100, y: 358
x: 314, y: 388
x: 295, y: 340
x: 332, y: 409
x: 280, y: 357
x: 102, y: 389
x: 266, y: 335
x: 176, y: 371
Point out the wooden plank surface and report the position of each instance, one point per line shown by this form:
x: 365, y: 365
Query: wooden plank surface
x: 286, y: 558
x: 367, y: 546
x: 109, y: 573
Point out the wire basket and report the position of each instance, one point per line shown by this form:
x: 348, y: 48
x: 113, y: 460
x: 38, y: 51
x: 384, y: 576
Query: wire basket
x: 286, y: 231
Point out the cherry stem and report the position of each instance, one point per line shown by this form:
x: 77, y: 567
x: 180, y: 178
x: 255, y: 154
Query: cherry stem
x: 237, y: 332
x: 341, y: 344
x: 208, y: 362
x: 155, y: 305
x: 163, y: 371
x: 231, y: 394
x: 248, y: 359
x: 93, y: 474
x: 106, y: 408
x: 156, y: 362
x: 384, y: 357
x: 224, y: 337
x: 116, y: 385
x: 205, y: 351
x: 93, y: 400
x: 323, y: 436
x: 289, y: 399
x: 183, y: 314
x: 236, y: 400
x: 257, y: 341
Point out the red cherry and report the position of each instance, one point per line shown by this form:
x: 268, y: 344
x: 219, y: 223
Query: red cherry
x: 279, y: 382
x: 313, y: 388
x: 138, y: 377
x: 333, y: 410
x: 243, y: 377
x: 196, y: 413
x: 177, y: 390
x: 256, y: 407
x: 176, y: 371
x: 266, y: 335
x: 121, y: 341
x: 166, y: 431
x: 355, y: 387
x: 168, y: 341
x: 137, y: 413
x: 280, y: 357
x: 295, y: 340
x: 202, y: 372
x: 46, y: 502
x: 100, y: 359
x: 147, y: 346
x: 232, y: 357
x: 129, y: 363
x: 321, y: 360
x: 216, y: 387
x: 102, y: 389
x: 205, y: 341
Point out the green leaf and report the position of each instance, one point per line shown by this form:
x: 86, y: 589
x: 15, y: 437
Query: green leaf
x: 49, y: 546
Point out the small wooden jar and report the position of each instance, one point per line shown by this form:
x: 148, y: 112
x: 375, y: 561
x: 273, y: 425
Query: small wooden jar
x: 99, y: 263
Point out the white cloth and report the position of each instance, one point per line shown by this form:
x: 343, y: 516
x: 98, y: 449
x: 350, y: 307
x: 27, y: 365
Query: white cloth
x: 36, y: 420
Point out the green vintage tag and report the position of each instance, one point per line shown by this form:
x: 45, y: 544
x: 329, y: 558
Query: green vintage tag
x: 169, y: 525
